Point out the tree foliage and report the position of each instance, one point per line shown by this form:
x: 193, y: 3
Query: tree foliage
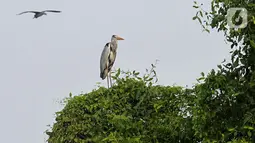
x: 134, y: 110
x: 226, y: 108
x: 219, y: 108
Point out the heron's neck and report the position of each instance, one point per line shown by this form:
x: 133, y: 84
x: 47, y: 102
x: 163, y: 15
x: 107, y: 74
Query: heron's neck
x: 114, y: 43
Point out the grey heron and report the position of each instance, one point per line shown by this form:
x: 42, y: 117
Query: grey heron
x: 108, y: 57
x: 39, y: 13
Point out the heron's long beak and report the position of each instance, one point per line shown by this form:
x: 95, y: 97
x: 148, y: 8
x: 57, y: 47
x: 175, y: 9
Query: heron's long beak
x: 119, y: 38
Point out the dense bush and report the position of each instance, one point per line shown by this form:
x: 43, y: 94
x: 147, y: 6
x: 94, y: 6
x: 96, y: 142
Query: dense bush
x: 131, y: 111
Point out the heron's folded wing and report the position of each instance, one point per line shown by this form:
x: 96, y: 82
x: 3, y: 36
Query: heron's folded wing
x: 104, y: 60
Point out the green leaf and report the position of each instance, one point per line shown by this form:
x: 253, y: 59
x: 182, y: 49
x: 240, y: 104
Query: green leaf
x: 252, y: 43
x: 137, y: 73
x: 249, y: 133
x: 199, y: 19
x: 248, y: 127
x: 150, y: 79
x: 207, y: 30
x: 194, y: 18
x: 201, y: 78
x: 231, y: 129
x: 118, y: 73
x: 201, y: 14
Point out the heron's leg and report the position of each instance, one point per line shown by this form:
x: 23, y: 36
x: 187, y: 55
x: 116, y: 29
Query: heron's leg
x: 107, y: 80
x: 110, y: 78
x: 107, y: 71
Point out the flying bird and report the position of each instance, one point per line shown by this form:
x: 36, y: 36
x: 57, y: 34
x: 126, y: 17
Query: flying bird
x: 108, y: 57
x: 39, y: 13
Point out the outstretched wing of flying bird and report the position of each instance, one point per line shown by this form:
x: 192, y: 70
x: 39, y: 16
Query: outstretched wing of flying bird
x: 28, y: 12
x: 52, y: 11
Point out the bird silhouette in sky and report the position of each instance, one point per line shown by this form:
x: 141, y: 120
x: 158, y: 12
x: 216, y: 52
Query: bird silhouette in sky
x: 39, y: 13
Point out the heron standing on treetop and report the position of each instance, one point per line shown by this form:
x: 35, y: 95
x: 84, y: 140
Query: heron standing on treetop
x: 108, y: 57
x: 39, y: 13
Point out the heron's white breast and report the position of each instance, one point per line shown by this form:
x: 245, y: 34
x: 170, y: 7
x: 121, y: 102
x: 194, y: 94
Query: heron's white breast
x: 112, y: 56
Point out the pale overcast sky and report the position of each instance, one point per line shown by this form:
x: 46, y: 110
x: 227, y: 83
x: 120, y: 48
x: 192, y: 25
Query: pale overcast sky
x: 44, y: 59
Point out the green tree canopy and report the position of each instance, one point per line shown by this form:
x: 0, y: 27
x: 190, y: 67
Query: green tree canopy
x: 131, y: 111
x: 225, y: 108
x: 219, y: 108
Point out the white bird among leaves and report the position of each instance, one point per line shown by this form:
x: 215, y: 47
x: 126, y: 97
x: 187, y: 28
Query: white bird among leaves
x: 108, y: 57
x: 39, y: 13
